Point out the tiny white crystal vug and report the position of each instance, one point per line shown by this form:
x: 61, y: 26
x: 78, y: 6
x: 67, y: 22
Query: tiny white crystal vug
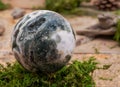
x: 43, y: 41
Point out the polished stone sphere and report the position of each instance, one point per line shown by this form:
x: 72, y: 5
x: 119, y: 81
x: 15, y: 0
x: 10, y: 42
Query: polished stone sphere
x: 43, y: 41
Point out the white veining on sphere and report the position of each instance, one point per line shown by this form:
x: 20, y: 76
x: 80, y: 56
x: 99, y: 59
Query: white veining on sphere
x: 26, y: 22
x: 33, y: 16
x: 67, y: 39
x: 38, y: 45
x: 67, y: 43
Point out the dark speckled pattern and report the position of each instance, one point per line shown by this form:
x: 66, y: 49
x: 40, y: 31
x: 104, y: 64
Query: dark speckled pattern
x: 32, y: 44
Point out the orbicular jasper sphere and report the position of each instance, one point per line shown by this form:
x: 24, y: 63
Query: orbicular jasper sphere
x: 43, y: 41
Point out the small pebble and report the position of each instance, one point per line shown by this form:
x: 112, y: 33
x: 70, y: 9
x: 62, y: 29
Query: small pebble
x: 18, y: 13
x: 2, y: 29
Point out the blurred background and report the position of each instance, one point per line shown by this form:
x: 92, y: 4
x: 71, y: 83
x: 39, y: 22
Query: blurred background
x: 96, y: 23
x: 61, y: 5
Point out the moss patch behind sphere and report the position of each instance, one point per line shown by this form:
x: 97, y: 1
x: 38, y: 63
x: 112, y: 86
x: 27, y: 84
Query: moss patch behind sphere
x: 117, y: 34
x: 78, y: 74
x: 62, y: 5
x: 3, y: 6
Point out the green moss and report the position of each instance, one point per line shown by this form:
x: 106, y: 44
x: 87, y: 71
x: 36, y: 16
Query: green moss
x: 77, y: 74
x: 62, y: 5
x: 106, y: 66
x: 117, y: 12
x: 3, y: 6
x: 102, y: 78
x: 117, y: 34
x: 66, y: 7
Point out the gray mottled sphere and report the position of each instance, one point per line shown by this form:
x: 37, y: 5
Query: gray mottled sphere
x: 43, y: 41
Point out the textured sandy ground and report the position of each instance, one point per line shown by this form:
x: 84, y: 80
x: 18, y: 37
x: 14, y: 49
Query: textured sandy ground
x: 103, y: 77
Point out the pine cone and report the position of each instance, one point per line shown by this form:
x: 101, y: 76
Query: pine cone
x: 107, y: 5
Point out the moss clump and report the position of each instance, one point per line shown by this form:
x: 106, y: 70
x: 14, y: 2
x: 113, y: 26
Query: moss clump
x: 76, y: 74
x: 117, y: 12
x: 62, y: 5
x: 3, y: 6
x: 117, y: 34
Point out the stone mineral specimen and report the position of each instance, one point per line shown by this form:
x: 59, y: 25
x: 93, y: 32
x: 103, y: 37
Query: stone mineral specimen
x: 43, y: 41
